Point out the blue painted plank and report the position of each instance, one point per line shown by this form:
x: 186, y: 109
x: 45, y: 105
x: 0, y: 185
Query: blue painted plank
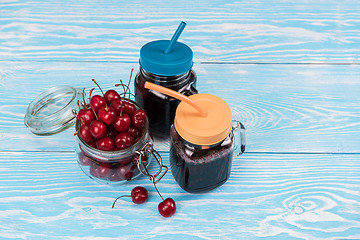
x: 285, y: 108
x: 46, y: 196
x: 230, y: 31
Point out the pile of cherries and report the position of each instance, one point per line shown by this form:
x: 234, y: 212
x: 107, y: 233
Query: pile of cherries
x: 111, y: 123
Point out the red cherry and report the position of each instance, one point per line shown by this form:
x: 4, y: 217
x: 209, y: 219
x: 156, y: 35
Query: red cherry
x: 114, y: 177
x: 129, y: 108
x: 144, y: 160
x: 140, y: 134
x: 102, y: 170
x: 139, y: 118
x: 167, y: 208
x: 117, y: 105
x: 105, y: 144
x: 122, y: 123
x: 84, y: 160
x: 124, y: 140
x: 96, y: 102
x: 92, y: 143
x: 122, y: 172
x: 107, y: 115
x: 139, y: 195
x: 124, y: 161
x: 111, y: 95
x: 112, y: 132
x: 98, y: 128
x: 85, y: 133
x: 123, y: 107
x: 86, y: 116
x: 125, y: 172
x: 133, y: 132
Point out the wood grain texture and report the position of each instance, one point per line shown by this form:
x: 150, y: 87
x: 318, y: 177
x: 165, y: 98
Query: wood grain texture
x: 272, y: 196
x: 230, y: 31
x: 285, y: 108
x: 290, y: 71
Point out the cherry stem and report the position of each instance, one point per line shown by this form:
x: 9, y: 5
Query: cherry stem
x: 123, y: 86
x: 153, y: 180
x: 101, y: 92
x: 128, y: 88
x: 98, y: 87
x: 90, y: 92
x: 120, y: 84
x: 121, y: 100
x: 79, y: 110
x: 118, y: 198
x: 83, y: 96
x: 78, y: 103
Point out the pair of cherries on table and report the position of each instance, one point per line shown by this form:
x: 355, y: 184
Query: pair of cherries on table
x: 139, y: 195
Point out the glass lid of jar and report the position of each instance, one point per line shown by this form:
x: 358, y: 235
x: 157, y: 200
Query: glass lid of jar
x: 52, y: 111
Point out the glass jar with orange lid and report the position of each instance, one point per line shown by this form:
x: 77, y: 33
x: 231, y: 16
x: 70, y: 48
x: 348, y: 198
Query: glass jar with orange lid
x: 202, y: 147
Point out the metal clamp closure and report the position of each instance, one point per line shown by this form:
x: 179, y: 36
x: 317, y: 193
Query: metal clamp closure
x: 146, y: 151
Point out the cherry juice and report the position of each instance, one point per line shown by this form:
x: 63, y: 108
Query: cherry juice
x: 161, y: 108
x: 200, y: 168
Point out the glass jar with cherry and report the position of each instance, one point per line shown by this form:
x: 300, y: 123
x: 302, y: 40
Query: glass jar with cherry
x: 109, y: 153
x: 112, y: 139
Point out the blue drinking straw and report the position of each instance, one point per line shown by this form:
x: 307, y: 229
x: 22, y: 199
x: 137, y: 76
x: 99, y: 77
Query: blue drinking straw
x: 175, y: 37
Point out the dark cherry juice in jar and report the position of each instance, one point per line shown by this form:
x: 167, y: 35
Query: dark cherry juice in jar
x: 202, y: 148
x: 167, y: 63
x: 199, y: 168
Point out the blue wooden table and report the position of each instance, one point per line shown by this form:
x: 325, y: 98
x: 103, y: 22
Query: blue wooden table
x: 290, y: 71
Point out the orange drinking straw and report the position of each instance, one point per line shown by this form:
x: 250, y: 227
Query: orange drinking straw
x: 176, y: 95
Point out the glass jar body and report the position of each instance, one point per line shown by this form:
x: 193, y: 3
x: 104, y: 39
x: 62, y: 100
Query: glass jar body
x: 161, y: 108
x: 200, y: 168
x: 111, y: 167
x: 114, y: 167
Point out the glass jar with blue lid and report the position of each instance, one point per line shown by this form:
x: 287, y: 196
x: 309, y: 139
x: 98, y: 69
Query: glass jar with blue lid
x: 167, y: 63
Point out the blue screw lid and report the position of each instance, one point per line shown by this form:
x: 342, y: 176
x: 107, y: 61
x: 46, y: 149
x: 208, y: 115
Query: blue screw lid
x: 153, y: 58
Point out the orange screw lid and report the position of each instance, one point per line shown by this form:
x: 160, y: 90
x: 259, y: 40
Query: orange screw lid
x: 208, y: 130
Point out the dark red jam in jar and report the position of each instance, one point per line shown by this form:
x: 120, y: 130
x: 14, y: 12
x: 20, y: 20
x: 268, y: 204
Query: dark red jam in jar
x: 167, y: 63
x: 200, y: 168
x: 202, y: 147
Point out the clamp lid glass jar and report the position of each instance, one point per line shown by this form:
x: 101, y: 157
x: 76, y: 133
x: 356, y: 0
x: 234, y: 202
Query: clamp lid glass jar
x: 167, y: 63
x: 202, y: 148
x: 53, y: 111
